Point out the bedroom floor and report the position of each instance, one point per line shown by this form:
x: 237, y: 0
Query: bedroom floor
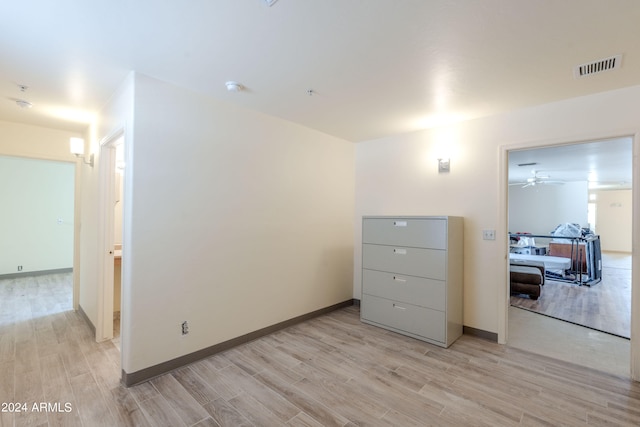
x: 562, y: 340
x: 565, y: 341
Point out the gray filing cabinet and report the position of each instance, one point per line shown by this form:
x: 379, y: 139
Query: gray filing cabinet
x: 412, y: 276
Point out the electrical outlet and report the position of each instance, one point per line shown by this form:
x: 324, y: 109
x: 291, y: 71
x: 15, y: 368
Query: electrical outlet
x: 488, y: 234
x: 185, y: 327
x: 19, y: 268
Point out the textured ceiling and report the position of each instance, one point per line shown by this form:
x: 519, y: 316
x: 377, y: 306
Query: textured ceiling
x: 376, y: 67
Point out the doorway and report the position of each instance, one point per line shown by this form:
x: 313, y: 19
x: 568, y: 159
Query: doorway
x: 117, y: 238
x: 630, y: 348
x: 556, y: 191
x: 111, y: 200
x: 37, y: 223
x: 37, y: 226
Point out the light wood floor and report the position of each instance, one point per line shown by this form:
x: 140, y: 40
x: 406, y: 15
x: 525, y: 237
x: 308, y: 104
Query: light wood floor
x: 562, y: 340
x: 605, y: 306
x: 330, y: 371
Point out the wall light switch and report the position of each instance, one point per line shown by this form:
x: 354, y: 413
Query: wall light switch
x: 488, y: 234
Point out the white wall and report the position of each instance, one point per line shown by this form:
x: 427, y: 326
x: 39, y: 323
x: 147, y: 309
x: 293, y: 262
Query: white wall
x: 398, y: 175
x: 614, y: 219
x: 37, y: 142
x: 540, y: 209
x: 233, y: 221
x: 37, y: 218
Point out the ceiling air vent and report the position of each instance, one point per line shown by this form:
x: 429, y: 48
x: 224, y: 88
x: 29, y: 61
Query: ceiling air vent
x: 599, y: 66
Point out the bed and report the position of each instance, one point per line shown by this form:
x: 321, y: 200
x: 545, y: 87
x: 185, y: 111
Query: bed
x: 554, y: 264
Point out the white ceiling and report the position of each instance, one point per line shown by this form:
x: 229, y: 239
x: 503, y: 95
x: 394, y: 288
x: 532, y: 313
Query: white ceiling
x: 376, y: 67
x: 604, y: 164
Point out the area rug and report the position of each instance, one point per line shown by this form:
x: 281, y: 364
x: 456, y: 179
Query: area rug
x: 605, y: 306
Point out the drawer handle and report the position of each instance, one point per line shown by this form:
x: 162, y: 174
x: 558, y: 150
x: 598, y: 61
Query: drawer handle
x: 400, y: 223
x: 399, y: 279
x: 399, y: 307
x: 400, y: 251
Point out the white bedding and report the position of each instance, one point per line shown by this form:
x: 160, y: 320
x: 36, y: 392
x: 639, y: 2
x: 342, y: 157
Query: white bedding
x: 552, y: 263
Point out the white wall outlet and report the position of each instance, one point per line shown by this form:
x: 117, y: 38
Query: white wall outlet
x: 488, y: 234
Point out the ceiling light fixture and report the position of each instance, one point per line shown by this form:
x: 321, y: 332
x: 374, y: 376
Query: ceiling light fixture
x: 234, y: 86
x: 270, y: 2
x: 23, y: 104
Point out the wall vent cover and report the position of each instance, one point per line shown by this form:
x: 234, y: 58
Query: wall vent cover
x: 599, y: 66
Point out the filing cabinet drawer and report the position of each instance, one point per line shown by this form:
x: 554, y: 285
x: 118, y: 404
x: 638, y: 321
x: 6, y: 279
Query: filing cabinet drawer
x: 418, y: 291
x: 404, y: 317
x: 429, y: 263
x: 417, y: 233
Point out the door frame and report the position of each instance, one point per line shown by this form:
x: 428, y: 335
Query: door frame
x: 503, y: 232
x: 106, y: 214
x: 77, y: 213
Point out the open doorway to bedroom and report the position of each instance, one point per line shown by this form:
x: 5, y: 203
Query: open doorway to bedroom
x: 37, y: 224
x: 556, y: 191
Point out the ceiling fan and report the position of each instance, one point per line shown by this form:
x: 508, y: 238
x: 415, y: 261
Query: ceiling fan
x: 537, y: 179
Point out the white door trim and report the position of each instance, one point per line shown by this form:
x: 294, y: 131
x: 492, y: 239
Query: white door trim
x: 106, y: 202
